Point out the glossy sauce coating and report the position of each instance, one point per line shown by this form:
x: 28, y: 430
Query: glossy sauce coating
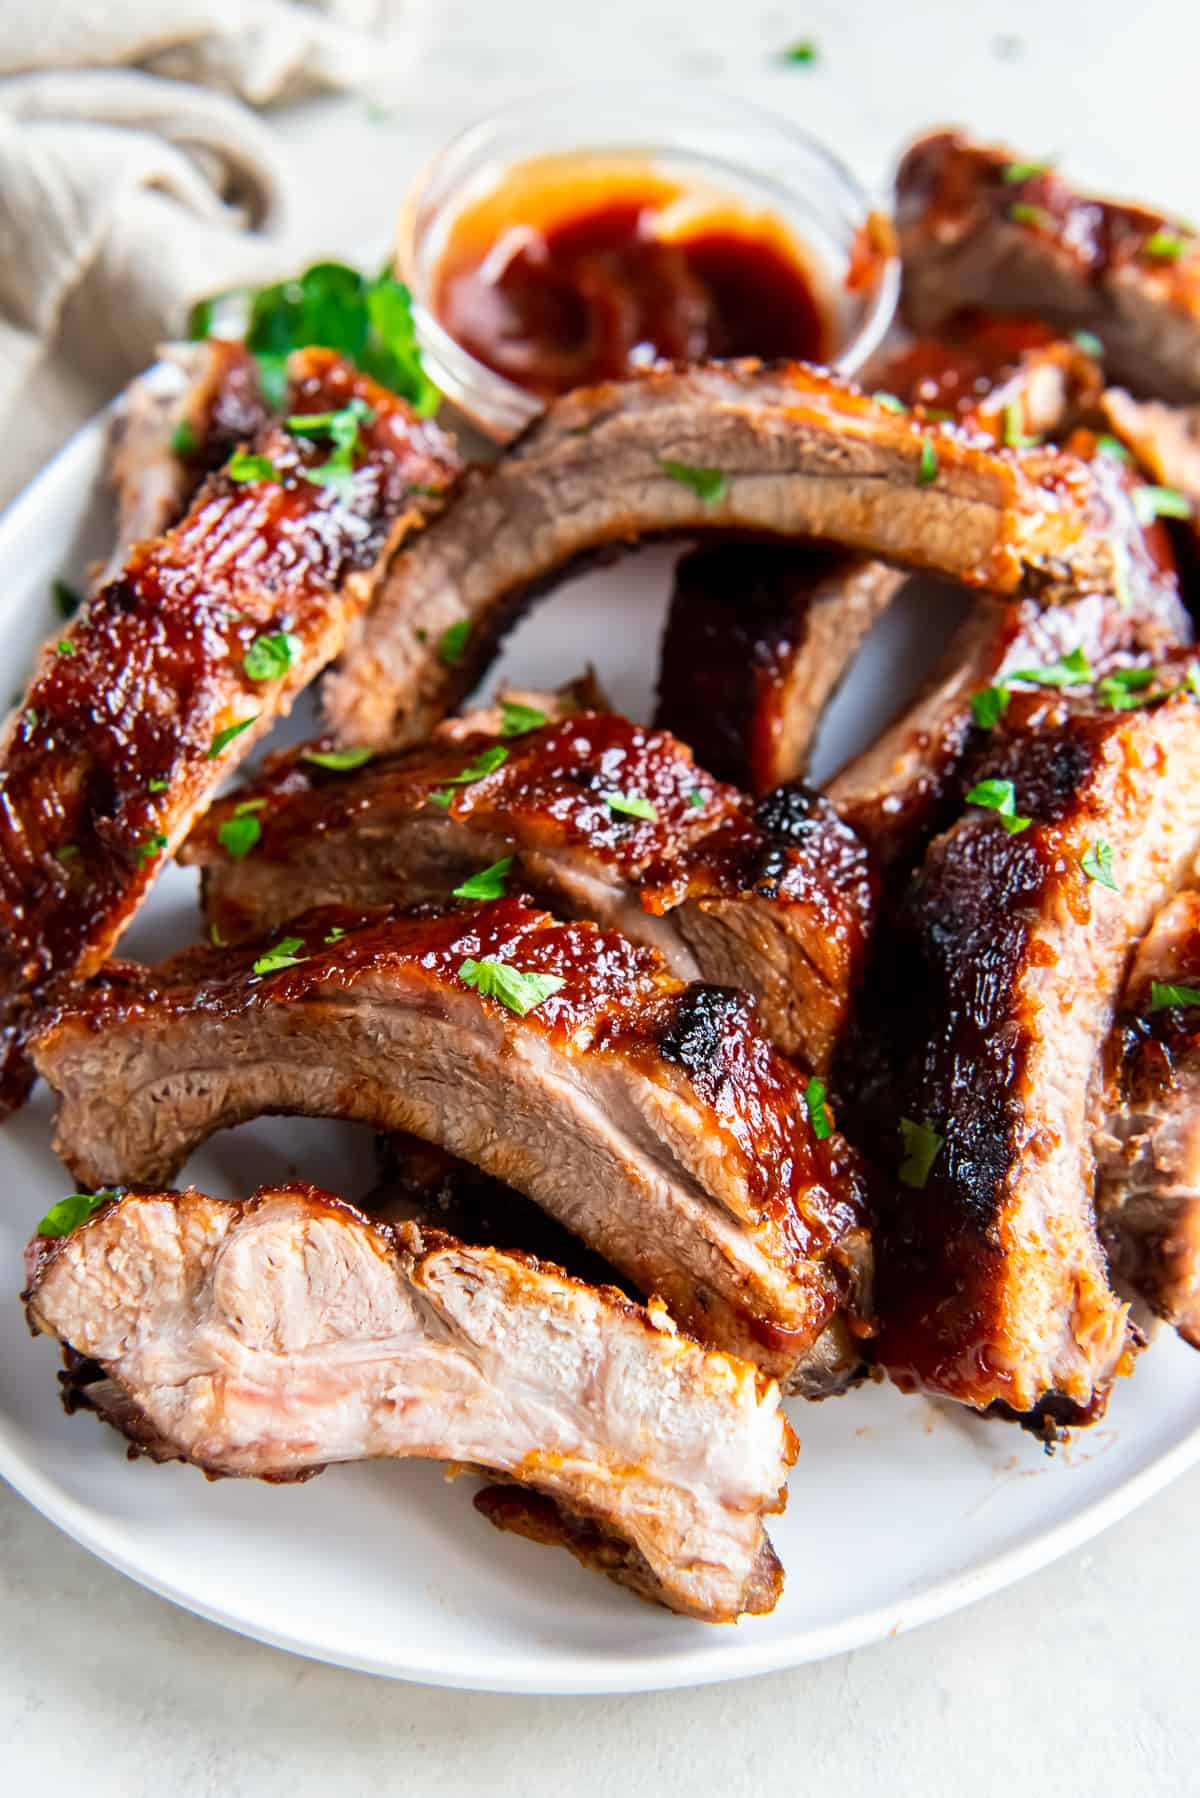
x: 616, y: 1001
x: 577, y: 270
x: 112, y: 750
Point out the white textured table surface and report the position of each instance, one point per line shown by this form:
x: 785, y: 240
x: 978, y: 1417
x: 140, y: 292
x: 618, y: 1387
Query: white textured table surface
x: 1081, y: 1681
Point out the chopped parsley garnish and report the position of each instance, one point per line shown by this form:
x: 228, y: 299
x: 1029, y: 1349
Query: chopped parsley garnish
x: 1097, y: 864
x: 239, y: 834
x: 499, y: 980
x: 1160, y: 502
x: 69, y: 1213
x: 921, y: 1146
x: 989, y: 705
x: 484, y: 764
x: 1126, y: 689
x: 225, y: 737
x: 1122, y: 589
x: 1016, y: 172
x: 1022, y: 213
x: 66, y: 598
x: 1164, y: 246
x: 245, y: 466
x: 631, y: 805
x: 708, y: 484
x: 149, y: 848
x: 696, y: 799
x: 889, y: 402
x: 65, y: 647
x: 70, y: 852
x: 819, y: 1114
x: 1072, y: 670
x: 341, y: 427
x: 487, y: 884
x: 452, y: 645
x: 184, y: 441
x: 803, y: 53
x: 270, y: 657
x: 338, y: 761
x: 1107, y: 445
x: 443, y: 797
x: 335, y: 935
x: 283, y: 955
x: 1088, y: 342
x: 215, y: 937
x: 1015, y: 436
x: 157, y: 785
x: 516, y: 719
x: 999, y: 796
x: 369, y: 320
x: 1164, y: 994
x: 927, y: 467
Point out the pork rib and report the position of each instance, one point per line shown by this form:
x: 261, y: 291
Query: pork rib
x: 1148, y: 1142
x: 650, y: 1118
x: 973, y: 236
x: 903, y: 789
x: 758, y: 638
x: 1005, y: 971
x: 760, y: 635
x: 790, y: 452
x: 777, y: 898
x: 132, y: 718
x: 272, y: 1337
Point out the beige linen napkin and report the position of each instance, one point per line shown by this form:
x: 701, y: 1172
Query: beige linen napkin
x: 128, y: 192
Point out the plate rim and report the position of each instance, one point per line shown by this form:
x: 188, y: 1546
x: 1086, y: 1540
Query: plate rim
x: 699, y: 1664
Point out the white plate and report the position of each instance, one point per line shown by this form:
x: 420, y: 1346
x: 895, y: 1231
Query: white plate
x: 901, y: 1510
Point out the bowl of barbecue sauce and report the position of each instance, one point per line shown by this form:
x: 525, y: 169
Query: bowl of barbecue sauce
x: 582, y: 235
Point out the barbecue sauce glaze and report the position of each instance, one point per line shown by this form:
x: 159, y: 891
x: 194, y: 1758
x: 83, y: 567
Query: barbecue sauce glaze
x: 578, y: 270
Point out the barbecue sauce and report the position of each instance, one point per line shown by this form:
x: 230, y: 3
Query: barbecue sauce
x: 575, y: 270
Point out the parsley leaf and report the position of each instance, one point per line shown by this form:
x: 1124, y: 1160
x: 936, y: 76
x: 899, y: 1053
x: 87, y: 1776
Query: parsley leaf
x: 338, y: 761
x: 335, y: 935
x: 803, y: 53
x: 499, y: 980
x: 1016, y: 172
x: 708, y: 484
x: 1108, y: 445
x: 244, y: 466
x: 485, y: 763
x: 927, y: 467
x: 272, y: 379
x: 1164, y: 995
x: 157, y: 785
x: 1125, y: 689
x: 631, y: 805
x: 1097, y: 864
x: 989, y: 705
x: 270, y: 657
x: 239, y: 834
x: 65, y: 647
x: 452, y: 645
x: 889, y: 402
x: 819, y: 1114
x: 341, y: 427
x: 66, y: 598
x: 69, y: 1213
x: 516, y: 719
x: 1160, y: 502
x: 225, y: 737
x: 282, y: 955
x: 487, y: 884
x: 1088, y: 342
x: 1022, y: 213
x: 999, y: 796
x: 69, y: 852
x: 149, y: 848
x: 184, y: 441
x: 1164, y: 246
x: 696, y: 799
x: 1072, y: 670
x: 1015, y: 435
x: 921, y: 1146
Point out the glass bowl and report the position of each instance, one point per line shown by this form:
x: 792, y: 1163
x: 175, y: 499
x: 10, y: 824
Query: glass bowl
x: 685, y: 130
